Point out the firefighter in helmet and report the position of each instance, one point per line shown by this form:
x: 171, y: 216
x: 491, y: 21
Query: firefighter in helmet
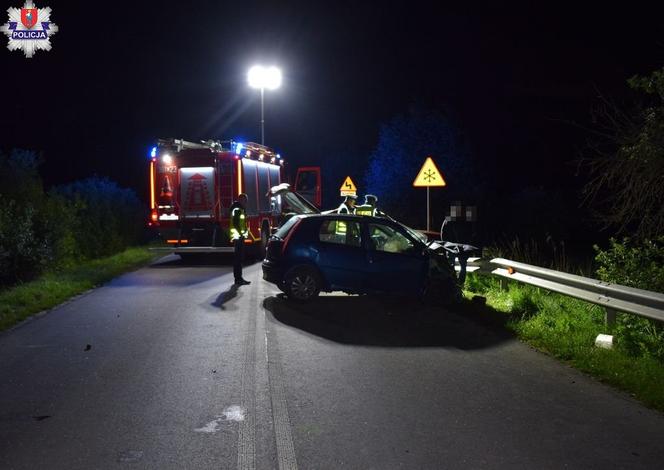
x: 348, y: 205
x: 239, y: 233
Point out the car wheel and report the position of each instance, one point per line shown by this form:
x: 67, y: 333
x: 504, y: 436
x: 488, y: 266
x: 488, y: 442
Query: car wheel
x: 302, y: 283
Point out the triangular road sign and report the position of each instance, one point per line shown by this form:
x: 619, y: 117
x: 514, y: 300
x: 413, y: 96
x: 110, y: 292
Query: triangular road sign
x: 348, y: 187
x: 429, y: 175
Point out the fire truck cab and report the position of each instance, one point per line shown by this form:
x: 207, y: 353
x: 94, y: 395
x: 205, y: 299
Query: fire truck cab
x: 192, y: 186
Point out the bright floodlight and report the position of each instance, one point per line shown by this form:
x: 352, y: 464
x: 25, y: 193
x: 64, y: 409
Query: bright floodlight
x: 264, y: 77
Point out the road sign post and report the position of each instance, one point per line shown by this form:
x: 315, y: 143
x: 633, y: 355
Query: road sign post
x: 429, y: 176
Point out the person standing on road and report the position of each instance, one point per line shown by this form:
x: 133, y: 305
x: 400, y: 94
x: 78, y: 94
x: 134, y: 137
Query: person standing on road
x: 348, y: 206
x: 459, y: 234
x: 239, y: 233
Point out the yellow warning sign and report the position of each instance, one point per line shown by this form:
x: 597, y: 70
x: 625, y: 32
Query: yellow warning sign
x: 429, y: 175
x: 348, y: 187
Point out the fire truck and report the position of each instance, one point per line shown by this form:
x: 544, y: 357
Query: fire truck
x: 192, y: 186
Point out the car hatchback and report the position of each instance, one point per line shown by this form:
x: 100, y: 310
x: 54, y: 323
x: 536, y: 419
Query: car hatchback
x: 354, y: 254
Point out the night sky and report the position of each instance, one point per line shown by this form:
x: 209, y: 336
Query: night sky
x: 118, y: 78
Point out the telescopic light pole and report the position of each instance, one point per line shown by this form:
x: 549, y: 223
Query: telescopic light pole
x: 264, y: 77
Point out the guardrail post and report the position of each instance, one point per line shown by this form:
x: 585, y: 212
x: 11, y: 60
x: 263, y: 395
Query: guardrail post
x: 609, y: 316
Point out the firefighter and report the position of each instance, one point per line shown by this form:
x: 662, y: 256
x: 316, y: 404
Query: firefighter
x: 239, y: 233
x: 348, y: 206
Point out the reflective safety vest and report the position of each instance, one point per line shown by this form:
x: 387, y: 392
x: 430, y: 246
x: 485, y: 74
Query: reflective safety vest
x: 365, y: 209
x: 238, y: 222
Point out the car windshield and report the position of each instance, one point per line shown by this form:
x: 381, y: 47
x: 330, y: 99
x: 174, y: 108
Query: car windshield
x: 415, y: 234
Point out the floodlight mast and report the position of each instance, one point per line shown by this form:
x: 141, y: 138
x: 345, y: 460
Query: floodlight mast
x: 264, y: 77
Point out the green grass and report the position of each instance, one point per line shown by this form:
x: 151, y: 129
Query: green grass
x: 566, y: 328
x: 53, y: 288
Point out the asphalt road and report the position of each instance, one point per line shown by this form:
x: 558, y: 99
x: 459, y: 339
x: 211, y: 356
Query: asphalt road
x: 171, y: 367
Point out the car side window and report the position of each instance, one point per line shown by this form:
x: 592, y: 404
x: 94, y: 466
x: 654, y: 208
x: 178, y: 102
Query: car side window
x: 342, y: 232
x: 388, y: 239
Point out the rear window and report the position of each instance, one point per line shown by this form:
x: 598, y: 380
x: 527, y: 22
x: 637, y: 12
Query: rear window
x: 284, y: 229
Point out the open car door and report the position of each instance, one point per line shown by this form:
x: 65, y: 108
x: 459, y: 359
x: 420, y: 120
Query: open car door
x: 308, y: 184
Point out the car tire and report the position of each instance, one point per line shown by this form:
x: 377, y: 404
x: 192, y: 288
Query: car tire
x: 302, y: 283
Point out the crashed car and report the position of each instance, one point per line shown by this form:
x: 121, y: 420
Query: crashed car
x: 358, y: 255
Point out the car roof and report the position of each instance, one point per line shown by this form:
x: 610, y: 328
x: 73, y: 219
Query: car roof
x: 356, y: 217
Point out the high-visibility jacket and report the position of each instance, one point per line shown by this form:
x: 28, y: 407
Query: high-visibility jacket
x: 365, y: 209
x: 238, y: 222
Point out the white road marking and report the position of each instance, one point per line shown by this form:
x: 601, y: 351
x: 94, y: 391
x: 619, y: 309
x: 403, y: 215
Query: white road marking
x: 210, y: 428
x: 232, y: 413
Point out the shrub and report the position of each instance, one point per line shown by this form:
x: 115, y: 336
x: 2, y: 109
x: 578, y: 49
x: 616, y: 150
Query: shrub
x: 38, y: 230
x: 25, y: 248
x: 24, y: 252
x: 635, y: 265
x: 108, y: 218
x: 642, y: 266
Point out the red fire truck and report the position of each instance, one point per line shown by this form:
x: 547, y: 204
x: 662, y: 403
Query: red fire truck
x: 192, y: 186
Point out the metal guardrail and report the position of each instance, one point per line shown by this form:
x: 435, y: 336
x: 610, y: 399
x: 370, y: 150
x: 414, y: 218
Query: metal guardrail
x: 613, y: 297
x: 474, y: 264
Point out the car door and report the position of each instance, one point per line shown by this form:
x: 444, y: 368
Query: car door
x: 396, y: 260
x: 342, y: 259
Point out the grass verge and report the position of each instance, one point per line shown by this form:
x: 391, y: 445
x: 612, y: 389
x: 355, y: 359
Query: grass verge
x: 566, y: 328
x: 53, y: 288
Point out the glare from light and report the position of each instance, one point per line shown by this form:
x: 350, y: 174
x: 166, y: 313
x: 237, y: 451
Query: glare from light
x: 167, y: 159
x: 264, y: 77
x: 153, y: 152
x: 238, y: 147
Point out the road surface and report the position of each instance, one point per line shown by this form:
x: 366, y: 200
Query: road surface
x: 171, y: 367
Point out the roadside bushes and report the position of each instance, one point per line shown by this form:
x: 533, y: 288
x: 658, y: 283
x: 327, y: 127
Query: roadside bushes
x: 108, y: 218
x: 640, y: 265
x: 25, y: 238
x: 633, y: 264
x: 48, y: 230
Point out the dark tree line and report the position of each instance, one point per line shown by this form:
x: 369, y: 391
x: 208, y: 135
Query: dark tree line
x: 626, y: 162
